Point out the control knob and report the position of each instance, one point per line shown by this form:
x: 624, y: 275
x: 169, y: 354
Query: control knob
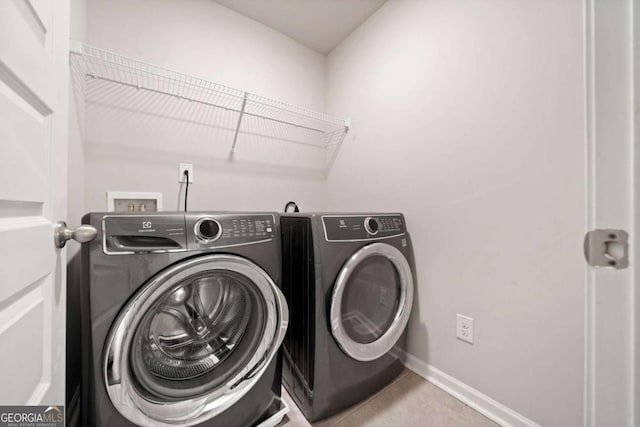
x: 371, y: 225
x: 208, y: 229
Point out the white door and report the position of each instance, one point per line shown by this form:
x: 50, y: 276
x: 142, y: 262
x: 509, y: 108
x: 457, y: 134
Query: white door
x: 612, y: 297
x: 34, y: 46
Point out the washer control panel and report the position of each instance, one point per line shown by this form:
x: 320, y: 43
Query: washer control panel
x: 210, y: 231
x: 362, y: 227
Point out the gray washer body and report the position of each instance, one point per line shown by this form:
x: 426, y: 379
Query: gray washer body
x: 108, y: 283
x: 339, y: 381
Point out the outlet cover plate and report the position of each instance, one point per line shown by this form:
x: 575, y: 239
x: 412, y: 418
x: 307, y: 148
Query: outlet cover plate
x: 183, y: 167
x: 464, y: 328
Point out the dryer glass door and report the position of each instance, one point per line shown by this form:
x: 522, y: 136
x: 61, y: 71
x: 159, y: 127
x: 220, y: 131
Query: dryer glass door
x: 371, y: 301
x: 194, y: 340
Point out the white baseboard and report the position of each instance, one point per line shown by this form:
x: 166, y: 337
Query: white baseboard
x: 495, y: 411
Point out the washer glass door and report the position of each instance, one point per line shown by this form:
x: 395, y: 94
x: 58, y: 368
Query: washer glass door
x: 371, y: 301
x: 193, y: 341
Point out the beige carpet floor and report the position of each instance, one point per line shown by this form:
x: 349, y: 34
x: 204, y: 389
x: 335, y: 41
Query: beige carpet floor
x: 408, y: 401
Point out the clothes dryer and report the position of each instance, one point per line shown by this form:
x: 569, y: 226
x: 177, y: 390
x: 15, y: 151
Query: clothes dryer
x: 348, y: 280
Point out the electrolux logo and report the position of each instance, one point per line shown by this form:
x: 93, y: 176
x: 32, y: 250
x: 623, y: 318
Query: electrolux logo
x: 31, y: 416
x: 147, y: 227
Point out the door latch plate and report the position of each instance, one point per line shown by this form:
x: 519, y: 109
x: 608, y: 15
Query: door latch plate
x: 607, y: 248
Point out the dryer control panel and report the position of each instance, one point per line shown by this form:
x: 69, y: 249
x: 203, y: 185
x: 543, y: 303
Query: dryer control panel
x: 340, y: 228
x: 220, y: 230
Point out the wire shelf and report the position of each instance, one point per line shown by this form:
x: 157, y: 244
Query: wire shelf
x: 250, y: 126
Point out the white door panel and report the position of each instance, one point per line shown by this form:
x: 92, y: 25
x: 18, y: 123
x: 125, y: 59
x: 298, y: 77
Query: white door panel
x: 26, y: 62
x: 34, y: 78
x: 42, y: 12
x: 16, y: 243
x: 26, y: 143
x: 25, y: 312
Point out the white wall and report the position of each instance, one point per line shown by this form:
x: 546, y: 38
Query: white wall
x: 132, y: 151
x: 469, y: 118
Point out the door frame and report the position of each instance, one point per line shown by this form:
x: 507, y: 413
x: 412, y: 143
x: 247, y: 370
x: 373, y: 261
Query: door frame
x: 611, y: 363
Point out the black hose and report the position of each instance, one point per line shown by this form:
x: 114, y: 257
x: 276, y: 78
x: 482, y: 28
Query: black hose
x: 186, y: 190
x: 291, y: 204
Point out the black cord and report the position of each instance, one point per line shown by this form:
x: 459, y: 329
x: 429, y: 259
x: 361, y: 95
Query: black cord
x: 186, y: 190
x: 293, y: 205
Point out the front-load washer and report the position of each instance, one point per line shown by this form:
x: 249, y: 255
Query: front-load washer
x: 182, y: 320
x: 348, y: 280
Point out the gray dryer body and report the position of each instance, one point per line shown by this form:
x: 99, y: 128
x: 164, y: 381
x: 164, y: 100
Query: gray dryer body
x: 348, y: 279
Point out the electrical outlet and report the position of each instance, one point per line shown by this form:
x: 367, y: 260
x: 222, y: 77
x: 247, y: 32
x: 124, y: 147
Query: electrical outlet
x: 185, y: 167
x: 464, y: 328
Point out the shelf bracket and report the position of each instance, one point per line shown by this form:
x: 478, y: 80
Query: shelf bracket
x: 235, y: 137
